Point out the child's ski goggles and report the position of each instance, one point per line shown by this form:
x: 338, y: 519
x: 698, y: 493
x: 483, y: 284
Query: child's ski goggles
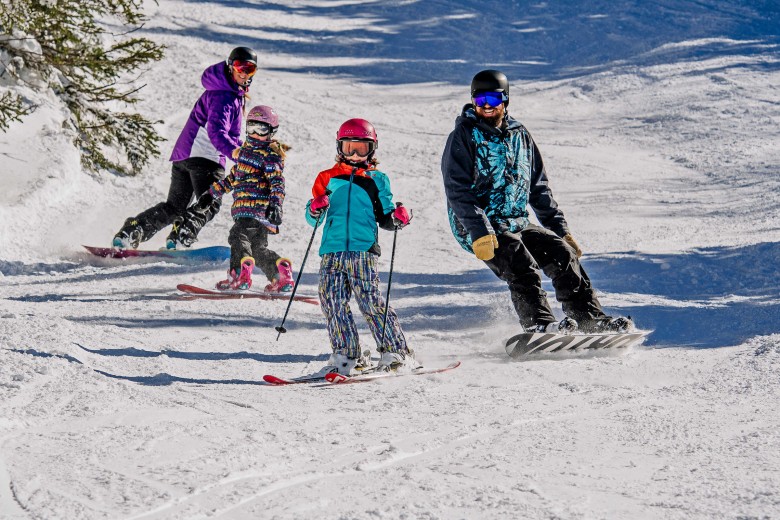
x: 259, y: 128
x: 493, y: 99
x: 245, y: 67
x: 347, y: 147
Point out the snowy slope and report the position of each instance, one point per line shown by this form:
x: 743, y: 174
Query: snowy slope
x: 659, y: 127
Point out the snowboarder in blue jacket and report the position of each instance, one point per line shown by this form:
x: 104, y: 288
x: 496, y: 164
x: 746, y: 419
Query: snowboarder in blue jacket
x: 493, y: 174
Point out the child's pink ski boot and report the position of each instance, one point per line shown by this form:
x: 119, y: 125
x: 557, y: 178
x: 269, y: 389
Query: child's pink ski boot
x: 284, y: 281
x: 230, y: 282
x: 241, y: 280
x: 245, y: 278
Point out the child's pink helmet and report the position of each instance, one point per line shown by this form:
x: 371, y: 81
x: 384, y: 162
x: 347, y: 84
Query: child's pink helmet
x: 264, y: 114
x: 357, y: 129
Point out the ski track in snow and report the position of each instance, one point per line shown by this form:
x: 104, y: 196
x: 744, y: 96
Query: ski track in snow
x: 659, y: 128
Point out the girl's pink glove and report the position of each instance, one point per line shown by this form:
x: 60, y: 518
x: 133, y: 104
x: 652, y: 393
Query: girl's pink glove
x: 318, y: 205
x: 401, y: 217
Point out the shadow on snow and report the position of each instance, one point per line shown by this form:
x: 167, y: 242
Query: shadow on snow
x: 448, y: 41
x: 164, y: 379
x: 704, y: 298
x: 709, y: 297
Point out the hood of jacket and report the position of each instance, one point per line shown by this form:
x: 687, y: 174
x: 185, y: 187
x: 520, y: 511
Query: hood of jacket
x: 216, y: 77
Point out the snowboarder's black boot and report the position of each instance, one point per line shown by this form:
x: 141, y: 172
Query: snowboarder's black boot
x: 608, y: 324
x: 130, y: 236
x: 184, y: 233
x: 186, y: 227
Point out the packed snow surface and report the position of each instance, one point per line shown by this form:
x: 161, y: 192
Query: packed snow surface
x: 659, y: 124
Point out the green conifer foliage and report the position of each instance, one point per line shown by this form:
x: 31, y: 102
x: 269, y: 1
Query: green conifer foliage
x: 85, y: 52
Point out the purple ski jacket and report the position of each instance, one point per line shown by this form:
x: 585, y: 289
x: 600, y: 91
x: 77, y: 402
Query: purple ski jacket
x: 213, y: 129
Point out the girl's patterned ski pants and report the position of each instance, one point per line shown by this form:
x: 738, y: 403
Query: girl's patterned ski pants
x: 341, y: 275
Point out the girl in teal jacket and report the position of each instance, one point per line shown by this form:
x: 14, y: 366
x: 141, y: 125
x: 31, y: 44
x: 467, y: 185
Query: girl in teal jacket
x: 354, y: 200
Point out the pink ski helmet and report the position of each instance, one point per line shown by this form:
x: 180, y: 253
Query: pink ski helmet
x: 264, y: 114
x: 357, y: 129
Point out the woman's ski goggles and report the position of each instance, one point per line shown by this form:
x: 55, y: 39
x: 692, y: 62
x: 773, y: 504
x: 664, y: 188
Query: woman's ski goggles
x: 493, y: 99
x: 347, y: 147
x: 258, y: 128
x: 245, y: 67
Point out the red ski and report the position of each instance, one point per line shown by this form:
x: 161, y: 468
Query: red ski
x: 191, y: 291
x: 339, y: 379
x: 279, y: 381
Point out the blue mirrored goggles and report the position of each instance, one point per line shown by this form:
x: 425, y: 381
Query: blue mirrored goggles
x: 493, y: 99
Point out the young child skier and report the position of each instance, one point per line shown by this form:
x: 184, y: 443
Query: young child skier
x: 257, y: 184
x: 354, y: 197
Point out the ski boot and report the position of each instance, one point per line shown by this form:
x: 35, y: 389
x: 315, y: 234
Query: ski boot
x: 283, y: 282
x: 565, y: 326
x: 342, y: 364
x: 245, y: 276
x: 231, y: 282
x: 364, y: 363
x: 400, y: 359
x: 130, y: 236
x: 238, y: 280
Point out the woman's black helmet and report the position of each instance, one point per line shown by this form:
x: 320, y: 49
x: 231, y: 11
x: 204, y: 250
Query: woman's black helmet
x: 242, y: 54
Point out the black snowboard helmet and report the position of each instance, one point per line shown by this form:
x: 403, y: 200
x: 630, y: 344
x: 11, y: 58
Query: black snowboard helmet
x: 490, y: 81
x: 242, y: 54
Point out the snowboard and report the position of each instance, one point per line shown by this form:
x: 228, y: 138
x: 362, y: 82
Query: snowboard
x: 209, y: 294
x: 542, y: 342
x: 205, y: 254
x: 340, y: 379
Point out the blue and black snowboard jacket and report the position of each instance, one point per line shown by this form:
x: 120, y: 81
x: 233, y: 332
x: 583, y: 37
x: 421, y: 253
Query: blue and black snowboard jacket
x: 491, y: 176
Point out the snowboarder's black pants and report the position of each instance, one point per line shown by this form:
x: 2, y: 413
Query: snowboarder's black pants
x: 518, y: 260
x: 248, y: 237
x: 189, y: 177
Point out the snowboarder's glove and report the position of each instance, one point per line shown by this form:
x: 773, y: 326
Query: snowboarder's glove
x: 318, y: 205
x: 573, y: 243
x: 401, y: 217
x: 273, y: 214
x: 484, y: 247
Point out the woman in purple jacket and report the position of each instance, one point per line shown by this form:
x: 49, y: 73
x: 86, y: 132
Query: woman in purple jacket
x: 211, y: 135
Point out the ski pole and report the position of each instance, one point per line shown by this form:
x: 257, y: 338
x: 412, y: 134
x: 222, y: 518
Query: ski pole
x: 389, y: 283
x: 281, y: 328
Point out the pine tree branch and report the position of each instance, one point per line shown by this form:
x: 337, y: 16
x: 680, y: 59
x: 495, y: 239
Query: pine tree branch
x: 70, y: 53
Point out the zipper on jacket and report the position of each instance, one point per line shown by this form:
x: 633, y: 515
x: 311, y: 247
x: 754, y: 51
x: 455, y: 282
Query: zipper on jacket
x: 349, y: 200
